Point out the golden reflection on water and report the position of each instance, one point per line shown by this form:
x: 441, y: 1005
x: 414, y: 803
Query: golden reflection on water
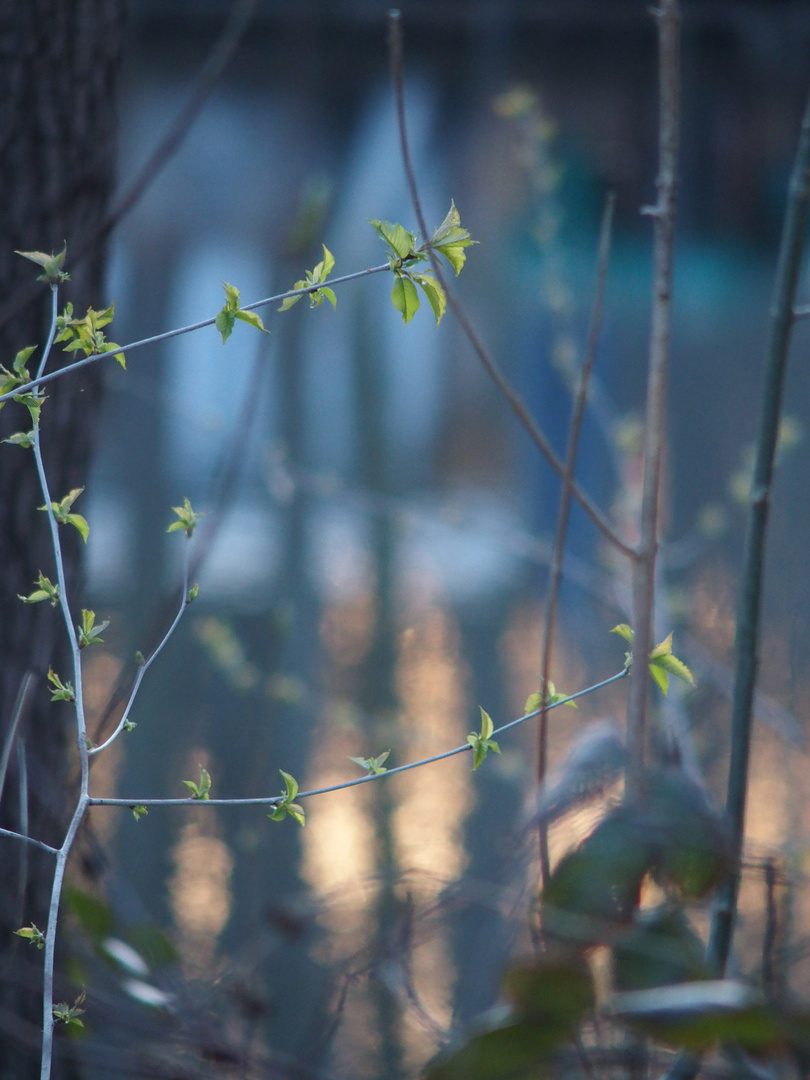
x: 200, y: 885
x: 340, y: 856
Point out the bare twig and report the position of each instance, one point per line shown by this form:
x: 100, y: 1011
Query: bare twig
x: 663, y: 214
x: 558, y: 556
x: 514, y: 400
x: 748, y: 617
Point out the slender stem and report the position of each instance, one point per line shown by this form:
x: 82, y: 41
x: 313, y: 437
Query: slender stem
x: 273, y: 800
x: 144, y: 667
x: 28, y: 840
x: 749, y: 613
x: 20, y: 707
x: 558, y: 556
x: 50, y: 935
x: 94, y: 359
x: 663, y: 214
x: 504, y: 386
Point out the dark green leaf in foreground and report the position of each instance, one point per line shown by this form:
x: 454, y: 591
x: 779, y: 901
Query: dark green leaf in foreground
x: 661, y: 949
x: 696, y: 1016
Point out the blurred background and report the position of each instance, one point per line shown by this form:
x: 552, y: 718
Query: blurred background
x: 373, y: 560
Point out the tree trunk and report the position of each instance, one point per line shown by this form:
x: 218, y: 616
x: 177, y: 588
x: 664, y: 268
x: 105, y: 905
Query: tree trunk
x: 58, y: 63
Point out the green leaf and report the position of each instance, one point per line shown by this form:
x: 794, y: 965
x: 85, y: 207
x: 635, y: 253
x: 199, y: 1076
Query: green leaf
x: 699, y: 1015
x: 482, y: 741
x: 202, y: 789
x: 434, y: 293
x: 450, y: 240
x: 192, y: 594
x: 291, y: 301
x: 373, y: 765
x: 252, y: 319
x: 62, y: 691
x: 89, y: 633
x: 511, y: 1050
x: 661, y: 949
x: 33, y: 402
x: 32, y: 934
x: 226, y: 318
x: 46, y: 591
x: 405, y: 297
x: 21, y: 438
x: 80, y: 523
x: 95, y: 915
x: 553, y: 697
x: 555, y: 989
x: 69, y: 1014
x: 138, y: 812
x: 595, y: 888
x: 287, y: 805
x: 662, y: 661
x: 399, y: 240
x: 187, y: 519
x: 51, y: 265
x: 224, y: 322
x: 20, y: 360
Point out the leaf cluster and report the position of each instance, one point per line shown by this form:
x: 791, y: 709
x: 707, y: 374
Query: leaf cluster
x: 186, y: 520
x: 19, y: 375
x: 449, y: 240
x: 662, y: 663
x: 63, y: 512
x: 316, y: 276
x: 374, y: 766
x: 287, y: 804
x: 226, y: 319
x: 482, y: 741
x: 62, y: 691
x: 52, y: 271
x: 199, y: 790
x: 69, y: 1014
x: 86, y: 335
x: 46, y: 591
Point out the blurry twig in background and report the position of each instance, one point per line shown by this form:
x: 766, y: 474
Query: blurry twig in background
x: 507, y: 390
x: 558, y: 555
x: 663, y: 214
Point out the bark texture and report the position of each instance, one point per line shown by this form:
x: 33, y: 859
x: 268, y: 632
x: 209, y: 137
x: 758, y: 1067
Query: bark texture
x: 58, y: 65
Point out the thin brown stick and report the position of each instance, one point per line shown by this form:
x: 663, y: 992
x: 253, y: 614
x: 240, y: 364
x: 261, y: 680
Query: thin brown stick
x: 663, y: 214
x: 563, y: 514
x: 504, y: 386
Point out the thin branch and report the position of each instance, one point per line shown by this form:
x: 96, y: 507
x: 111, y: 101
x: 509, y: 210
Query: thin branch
x: 749, y: 613
x: 504, y: 386
x: 144, y: 667
x: 782, y: 313
x: 274, y: 800
x: 663, y: 214
x: 94, y: 359
x: 28, y: 840
x: 19, y: 710
x: 558, y: 556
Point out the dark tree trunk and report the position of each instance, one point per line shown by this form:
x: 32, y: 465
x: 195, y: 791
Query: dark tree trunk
x: 58, y: 64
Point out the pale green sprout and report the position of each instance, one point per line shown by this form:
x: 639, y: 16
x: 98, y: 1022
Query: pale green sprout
x: 482, y: 741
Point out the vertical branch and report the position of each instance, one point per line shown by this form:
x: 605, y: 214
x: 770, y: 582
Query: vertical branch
x: 748, y: 615
x: 563, y: 515
x: 663, y: 214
